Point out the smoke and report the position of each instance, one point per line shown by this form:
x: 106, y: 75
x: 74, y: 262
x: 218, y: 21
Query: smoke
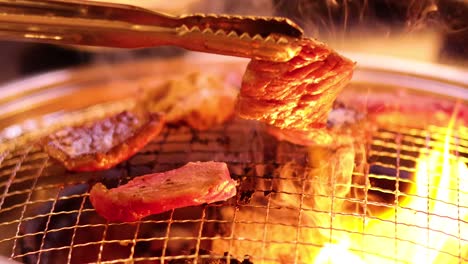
x: 334, y: 17
x: 421, y: 14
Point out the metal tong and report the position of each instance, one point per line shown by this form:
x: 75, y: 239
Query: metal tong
x: 123, y: 26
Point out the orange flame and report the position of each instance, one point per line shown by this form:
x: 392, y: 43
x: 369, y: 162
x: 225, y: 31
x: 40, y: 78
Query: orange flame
x: 429, y: 226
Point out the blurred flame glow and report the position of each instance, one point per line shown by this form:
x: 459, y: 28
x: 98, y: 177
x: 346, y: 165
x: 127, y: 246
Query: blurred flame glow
x: 337, y: 253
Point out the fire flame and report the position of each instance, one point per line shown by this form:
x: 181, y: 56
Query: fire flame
x: 426, y: 224
x: 429, y: 226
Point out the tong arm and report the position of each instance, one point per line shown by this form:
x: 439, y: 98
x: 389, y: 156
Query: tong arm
x: 122, y: 26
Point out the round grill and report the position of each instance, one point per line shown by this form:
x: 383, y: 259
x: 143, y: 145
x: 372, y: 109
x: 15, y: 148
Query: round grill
x: 405, y: 197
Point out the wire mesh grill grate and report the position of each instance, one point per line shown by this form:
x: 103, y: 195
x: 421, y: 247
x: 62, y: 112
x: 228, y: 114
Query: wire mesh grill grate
x: 45, y: 214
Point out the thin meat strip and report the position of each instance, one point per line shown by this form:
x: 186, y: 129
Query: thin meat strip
x: 298, y: 94
x: 193, y: 184
x: 104, y: 143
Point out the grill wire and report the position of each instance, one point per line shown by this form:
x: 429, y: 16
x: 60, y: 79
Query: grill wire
x: 46, y: 216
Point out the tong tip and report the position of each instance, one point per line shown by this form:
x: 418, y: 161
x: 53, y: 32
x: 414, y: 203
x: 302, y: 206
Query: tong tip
x: 266, y: 38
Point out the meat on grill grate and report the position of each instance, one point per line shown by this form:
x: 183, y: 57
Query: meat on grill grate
x: 104, y: 143
x: 289, y: 198
x: 193, y: 184
x: 199, y: 100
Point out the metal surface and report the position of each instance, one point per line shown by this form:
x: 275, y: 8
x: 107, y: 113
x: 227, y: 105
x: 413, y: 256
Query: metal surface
x: 111, y: 25
x: 45, y: 215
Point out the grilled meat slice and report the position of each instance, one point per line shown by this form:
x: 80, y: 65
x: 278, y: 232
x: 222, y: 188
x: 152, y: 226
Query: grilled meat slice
x: 104, y: 143
x: 193, y: 184
x: 201, y: 101
x: 297, y: 94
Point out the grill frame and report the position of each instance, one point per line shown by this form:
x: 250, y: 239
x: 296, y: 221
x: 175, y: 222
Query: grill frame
x: 16, y: 161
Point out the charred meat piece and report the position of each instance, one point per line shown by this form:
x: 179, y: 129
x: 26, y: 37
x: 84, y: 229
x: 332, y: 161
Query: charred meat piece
x: 201, y: 101
x: 297, y: 94
x: 193, y: 184
x: 102, y: 144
